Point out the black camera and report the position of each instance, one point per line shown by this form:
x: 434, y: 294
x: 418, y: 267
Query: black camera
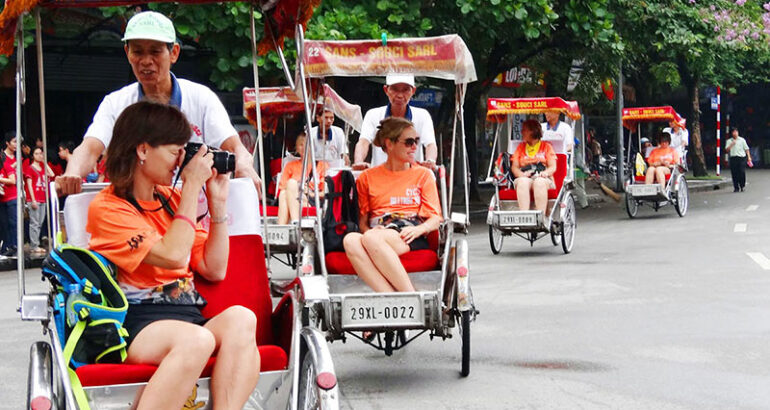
x: 224, y: 161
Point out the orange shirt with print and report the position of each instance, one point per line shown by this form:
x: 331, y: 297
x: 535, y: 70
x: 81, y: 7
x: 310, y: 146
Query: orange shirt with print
x: 661, y: 154
x: 293, y: 170
x: 124, y: 235
x: 544, y: 154
x: 411, y: 192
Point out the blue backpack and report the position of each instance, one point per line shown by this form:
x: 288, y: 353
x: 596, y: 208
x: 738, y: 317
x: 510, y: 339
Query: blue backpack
x: 97, y: 306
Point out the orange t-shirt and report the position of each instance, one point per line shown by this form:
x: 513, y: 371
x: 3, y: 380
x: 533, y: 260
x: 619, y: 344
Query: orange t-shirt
x: 124, y: 235
x: 411, y: 192
x: 660, y: 154
x: 293, y: 170
x: 543, y: 155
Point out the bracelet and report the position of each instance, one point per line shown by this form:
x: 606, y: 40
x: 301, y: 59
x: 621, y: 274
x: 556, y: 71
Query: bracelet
x: 185, y: 219
x: 221, y: 219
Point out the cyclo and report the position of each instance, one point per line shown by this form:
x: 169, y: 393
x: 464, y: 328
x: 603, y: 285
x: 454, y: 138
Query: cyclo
x: 637, y: 192
x: 284, y: 103
x: 336, y: 299
x: 296, y: 365
x: 504, y: 217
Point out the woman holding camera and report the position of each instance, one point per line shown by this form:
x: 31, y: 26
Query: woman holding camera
x: 148, y: 230
x: 398, y: 207
x: 533, y: 165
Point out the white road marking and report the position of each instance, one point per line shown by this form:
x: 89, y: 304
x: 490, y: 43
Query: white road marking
x: 752, y: 208
x: 740, y: 228
x: 760, y: 259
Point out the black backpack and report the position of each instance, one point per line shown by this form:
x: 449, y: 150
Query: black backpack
x: 341, y: 215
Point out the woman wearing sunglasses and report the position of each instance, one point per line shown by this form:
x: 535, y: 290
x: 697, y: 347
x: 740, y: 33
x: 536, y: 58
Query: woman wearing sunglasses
x: 399, y: 206
x: 533, y: 165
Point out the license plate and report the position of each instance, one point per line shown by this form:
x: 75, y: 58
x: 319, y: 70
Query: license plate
x: 644, y: 190
x: 518, y: 220
x: 382, y: 311
x: 278, y: 235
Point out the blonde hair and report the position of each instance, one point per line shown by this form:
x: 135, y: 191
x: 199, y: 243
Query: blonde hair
x: 390, y: 129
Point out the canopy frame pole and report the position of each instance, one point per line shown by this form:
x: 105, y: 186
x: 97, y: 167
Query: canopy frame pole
x: 43, y: 126
x: 279, y: 50
x: 21, y: 96
x: 309, y: 149
x: 494, y: 150
x: 466, y: 183
x: 452, y: 156
x: 259, y: 142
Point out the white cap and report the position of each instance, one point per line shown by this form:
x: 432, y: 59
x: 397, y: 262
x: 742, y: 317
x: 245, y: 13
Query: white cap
x: 399, y: 78
x: 644, y: 139
x: 150, y: 25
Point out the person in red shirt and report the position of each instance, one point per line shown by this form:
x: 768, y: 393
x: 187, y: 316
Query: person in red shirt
x: 34, y: 176
x: 8, y: 204
x: 147, y: 229
x: 533, y: 164
x: 660, y: 161
x: 288, y: 198
x: 397, y: 194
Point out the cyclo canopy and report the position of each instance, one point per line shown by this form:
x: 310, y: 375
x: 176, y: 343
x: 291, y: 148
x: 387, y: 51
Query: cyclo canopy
x: 498, y: 108
x: 445, y: 57
x: 278, y: 101
x: 633, y: 116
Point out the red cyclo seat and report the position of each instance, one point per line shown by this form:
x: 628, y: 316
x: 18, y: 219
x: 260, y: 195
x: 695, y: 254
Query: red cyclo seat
x: 640, y: 178
x: 273, y: 211
x: 509, y: 194
x: 413, y: 261
x: 245, y: 284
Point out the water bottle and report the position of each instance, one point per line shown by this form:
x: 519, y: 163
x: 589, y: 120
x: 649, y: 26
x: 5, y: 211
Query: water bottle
x: 73, y: 295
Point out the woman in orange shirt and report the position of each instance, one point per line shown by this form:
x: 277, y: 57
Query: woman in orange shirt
x: 533, y: 164
x: 288, y: 198
x: 148, y: 230
x: 660, y: 161
x: 399, y: 206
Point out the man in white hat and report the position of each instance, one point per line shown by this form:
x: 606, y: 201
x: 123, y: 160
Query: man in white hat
x: 151, y: 48
x: 399, y: 88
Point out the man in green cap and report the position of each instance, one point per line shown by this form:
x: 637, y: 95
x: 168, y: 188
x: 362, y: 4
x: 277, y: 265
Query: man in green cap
x: 151, y: 48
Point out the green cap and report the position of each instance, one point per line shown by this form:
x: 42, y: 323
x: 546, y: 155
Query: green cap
x: 150, y: 25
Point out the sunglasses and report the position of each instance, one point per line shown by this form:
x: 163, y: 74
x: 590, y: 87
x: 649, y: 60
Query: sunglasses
x: 411, y: 141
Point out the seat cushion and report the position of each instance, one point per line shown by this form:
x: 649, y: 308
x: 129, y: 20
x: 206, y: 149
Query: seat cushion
x: 414, y: 261
x: 272, y: 358
x: 273, y: 211
x: 640, y: 178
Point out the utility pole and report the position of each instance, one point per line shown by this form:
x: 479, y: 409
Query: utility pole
x: 620, y: 156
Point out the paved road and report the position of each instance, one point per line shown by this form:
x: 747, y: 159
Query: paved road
x: 659, y: 312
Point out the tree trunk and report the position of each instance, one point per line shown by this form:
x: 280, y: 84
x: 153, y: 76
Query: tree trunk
x: 696, y: 147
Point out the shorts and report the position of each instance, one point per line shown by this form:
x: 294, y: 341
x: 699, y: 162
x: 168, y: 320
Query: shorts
x: 419, y: 244
x: 141, y: 315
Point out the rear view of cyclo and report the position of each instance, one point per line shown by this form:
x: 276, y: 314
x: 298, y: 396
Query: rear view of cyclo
x: 534, y: 158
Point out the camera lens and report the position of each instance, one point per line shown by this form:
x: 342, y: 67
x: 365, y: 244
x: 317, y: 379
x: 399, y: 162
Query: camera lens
x: 224, y: 162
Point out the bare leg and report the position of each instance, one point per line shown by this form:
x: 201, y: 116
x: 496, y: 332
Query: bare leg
x: 237, y: 367
x: 523, y: 186
x: 649, y: 178
x: 363, y: 264
x: 180, y: 350
x: 383, y: 247
x: 661, y: 173
x: 283, y: 208
x: 540, y: 192
x: 292, y: 188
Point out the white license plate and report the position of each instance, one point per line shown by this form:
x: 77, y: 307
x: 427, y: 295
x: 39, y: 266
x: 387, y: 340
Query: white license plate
x: 382, y: 311
x: 644, y: 190
x: 279, y: 235
x: 518, y: 220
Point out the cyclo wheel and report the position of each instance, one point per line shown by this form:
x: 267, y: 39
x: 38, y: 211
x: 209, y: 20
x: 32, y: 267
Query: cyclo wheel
x: 632, y: 207
x: 568, y: 225
x: 495, y: 239
x: 465, y: 330
x: 307, y: 397
x: 554, y: 235
x: 682, y: 196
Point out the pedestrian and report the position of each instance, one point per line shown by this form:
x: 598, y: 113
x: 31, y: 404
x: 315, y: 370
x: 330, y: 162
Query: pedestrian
x: 34, y: 177
x: 66, y: 148
x: 399, y: 88
x: 8, y: 199
x: 151, y: 48
x: 738, y: 155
